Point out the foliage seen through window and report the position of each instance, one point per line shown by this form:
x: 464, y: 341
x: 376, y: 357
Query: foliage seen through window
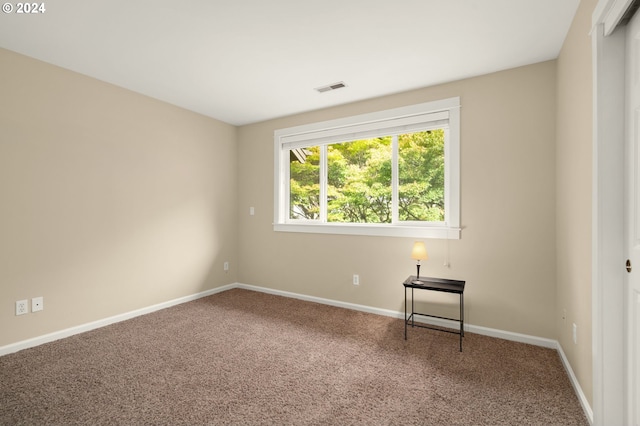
x: 360, y: 175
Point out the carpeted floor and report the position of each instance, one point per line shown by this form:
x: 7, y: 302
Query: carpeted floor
x: 248, y: 358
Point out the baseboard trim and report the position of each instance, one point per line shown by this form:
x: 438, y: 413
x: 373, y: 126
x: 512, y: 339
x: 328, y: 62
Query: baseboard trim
x: 330, y: 302
x: 576, y: 386
x: 501, y: 334
x: 57, y: 335
x: 491, y: 332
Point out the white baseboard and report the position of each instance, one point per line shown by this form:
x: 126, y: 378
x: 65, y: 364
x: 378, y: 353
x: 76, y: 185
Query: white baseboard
x: 492, y: 332
x: 331, y: 302
x: 57, y: 335
x: 576, y: 386
x: 507, y: 335
x: 501, y: 334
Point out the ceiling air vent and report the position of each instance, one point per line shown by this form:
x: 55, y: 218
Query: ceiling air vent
x: 330, y: 87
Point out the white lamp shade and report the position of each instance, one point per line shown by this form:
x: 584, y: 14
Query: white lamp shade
x: 419, y: 251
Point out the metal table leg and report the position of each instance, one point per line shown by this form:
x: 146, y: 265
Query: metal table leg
x: 461, y: 319
x: 405, y: 313
x: 413, y: 317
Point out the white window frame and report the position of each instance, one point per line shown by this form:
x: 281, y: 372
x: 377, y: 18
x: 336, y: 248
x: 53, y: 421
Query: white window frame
x: 397, y: 120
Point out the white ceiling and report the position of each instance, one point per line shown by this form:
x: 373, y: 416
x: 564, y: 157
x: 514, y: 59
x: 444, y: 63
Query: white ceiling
x: 244, y: 61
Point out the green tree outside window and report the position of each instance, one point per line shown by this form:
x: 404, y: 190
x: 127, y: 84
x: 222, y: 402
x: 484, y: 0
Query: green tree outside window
x: 359, y: 180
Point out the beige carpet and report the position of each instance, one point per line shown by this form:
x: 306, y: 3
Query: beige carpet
x: 247, y: 358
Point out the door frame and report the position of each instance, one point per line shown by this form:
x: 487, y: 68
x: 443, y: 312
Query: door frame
x: 608, y: 200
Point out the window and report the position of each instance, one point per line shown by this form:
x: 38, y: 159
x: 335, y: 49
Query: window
x: 390, y: 173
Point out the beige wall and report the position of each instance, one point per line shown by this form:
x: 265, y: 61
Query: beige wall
x: 507, y: 251
x: 109, y: 201
x: 574, y: 188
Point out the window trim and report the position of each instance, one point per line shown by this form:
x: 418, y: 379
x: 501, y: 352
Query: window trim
x: 343, y: 129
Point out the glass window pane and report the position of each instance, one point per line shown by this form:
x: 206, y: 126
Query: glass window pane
x: 421, y: 176
x: 359, y: 181
x: 304, y: 195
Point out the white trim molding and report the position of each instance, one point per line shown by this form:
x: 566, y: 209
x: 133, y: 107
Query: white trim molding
x: 485, y: 331
x: 442, y: 114
x: 491, y: 332
x: 609, y: 13
x: 608, y: 55
x: 501, y: 334
x: 576, y: 385
x: 57, y: 335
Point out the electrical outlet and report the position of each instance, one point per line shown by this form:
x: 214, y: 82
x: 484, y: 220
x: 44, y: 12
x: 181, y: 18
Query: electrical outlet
x: 575, y: 333
x: 356, y: 279
x: 37, y: 304
x: 22, y: 307
x: 226, y: 266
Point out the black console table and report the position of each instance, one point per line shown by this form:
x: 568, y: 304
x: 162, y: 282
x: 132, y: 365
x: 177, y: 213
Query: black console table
x: 433, y: 284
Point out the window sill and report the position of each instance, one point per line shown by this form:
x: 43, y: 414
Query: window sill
x: 440, y: 232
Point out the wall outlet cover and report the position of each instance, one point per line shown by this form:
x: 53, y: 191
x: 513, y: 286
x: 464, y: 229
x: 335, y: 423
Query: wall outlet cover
x: 22, y: 307
x: 37, y: 304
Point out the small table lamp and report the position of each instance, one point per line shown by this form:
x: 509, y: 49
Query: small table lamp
x: 419, y: 253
